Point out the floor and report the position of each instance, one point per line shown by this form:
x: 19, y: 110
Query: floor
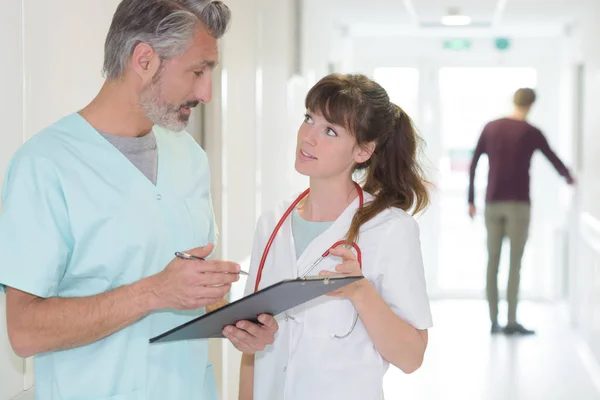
x: 465, y: 362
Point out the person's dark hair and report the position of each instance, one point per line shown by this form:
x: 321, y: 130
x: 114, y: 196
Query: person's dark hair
x: 392, y: 174
x: 166, y: 25
x: 524, y: 97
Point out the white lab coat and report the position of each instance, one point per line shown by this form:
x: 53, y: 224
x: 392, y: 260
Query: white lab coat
x: 306, y: 362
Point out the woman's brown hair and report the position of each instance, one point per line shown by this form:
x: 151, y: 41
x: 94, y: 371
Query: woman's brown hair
x: 392, y: 174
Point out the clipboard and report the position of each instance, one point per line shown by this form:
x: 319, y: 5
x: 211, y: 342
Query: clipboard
x: 272, y: 300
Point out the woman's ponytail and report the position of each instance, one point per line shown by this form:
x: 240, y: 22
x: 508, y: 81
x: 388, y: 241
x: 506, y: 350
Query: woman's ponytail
x: 393, y: 174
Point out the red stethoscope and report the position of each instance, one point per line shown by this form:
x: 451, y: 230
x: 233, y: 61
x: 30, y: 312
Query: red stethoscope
x: 291, y: 208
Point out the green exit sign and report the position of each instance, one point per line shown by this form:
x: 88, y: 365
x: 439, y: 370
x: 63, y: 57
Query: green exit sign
x: 457, y: 44
x: 502, y: 43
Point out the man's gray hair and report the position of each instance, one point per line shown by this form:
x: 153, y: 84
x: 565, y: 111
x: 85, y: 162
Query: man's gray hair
x: 166, y: 25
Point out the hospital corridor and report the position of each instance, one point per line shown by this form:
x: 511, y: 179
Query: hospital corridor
x: 475, y: 77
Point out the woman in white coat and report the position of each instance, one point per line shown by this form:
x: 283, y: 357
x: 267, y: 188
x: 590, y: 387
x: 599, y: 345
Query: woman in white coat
x: 321, y: 351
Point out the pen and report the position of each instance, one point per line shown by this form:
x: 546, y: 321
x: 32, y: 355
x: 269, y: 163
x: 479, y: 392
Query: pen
x: 186, y: 256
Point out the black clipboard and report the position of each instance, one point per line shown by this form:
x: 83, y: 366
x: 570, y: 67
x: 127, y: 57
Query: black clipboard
x: 271, y: 300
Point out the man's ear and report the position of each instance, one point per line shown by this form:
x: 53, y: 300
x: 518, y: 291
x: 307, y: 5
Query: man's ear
x: 364, y: 152
x: 145, y: 62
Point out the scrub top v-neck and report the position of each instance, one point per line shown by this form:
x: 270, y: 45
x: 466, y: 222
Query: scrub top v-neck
x: 141, y: 151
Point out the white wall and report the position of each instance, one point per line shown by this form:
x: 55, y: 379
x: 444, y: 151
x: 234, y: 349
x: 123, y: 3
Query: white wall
x: 585, y: 239
x: 11, y: 104
x: 317, y: 41
x: 590, y: 184
x: 253, y: 142
x: 250, y: 136
x: 63, y: 61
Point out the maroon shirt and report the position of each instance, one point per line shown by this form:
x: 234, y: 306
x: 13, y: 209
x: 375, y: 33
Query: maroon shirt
x: 509, y: 144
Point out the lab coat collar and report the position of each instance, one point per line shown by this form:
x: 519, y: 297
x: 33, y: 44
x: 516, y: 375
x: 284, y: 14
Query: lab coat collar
x: 337, y: 231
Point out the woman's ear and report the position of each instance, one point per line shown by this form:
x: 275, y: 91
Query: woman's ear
x: 364, y: 152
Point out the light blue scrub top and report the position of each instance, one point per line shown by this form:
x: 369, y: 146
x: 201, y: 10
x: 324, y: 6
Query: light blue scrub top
x: 78, y: 220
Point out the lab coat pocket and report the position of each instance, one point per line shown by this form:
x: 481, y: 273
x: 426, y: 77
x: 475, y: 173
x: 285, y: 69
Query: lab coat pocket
x: 328, y: 316
x: 201, y: 217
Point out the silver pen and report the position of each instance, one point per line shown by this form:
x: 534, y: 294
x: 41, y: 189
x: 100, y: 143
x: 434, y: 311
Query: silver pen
x: 186, y: 256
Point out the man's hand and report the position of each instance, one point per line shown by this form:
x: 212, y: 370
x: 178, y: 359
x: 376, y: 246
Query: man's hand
x: 41, y: 325
x: 214, y: 307
x: 250, y: 338
x: 191, y: 284
x: 350, y: 267
x: 472, y: 210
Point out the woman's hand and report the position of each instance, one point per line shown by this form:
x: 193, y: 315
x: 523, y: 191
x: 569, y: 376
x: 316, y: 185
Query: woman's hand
x: 250, y: 338
x: 349, y: 267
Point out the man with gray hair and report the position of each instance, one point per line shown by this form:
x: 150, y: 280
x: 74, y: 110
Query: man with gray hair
x: 96, y: 206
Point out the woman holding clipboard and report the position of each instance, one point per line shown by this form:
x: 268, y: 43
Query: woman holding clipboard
x: 339, y: 346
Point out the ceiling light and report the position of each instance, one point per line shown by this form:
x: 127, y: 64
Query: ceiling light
x: 454, y: 18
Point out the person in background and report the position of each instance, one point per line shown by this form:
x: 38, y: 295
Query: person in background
x: 509, y: 144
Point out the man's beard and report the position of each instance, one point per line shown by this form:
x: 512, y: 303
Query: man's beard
x: 159, y: 111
